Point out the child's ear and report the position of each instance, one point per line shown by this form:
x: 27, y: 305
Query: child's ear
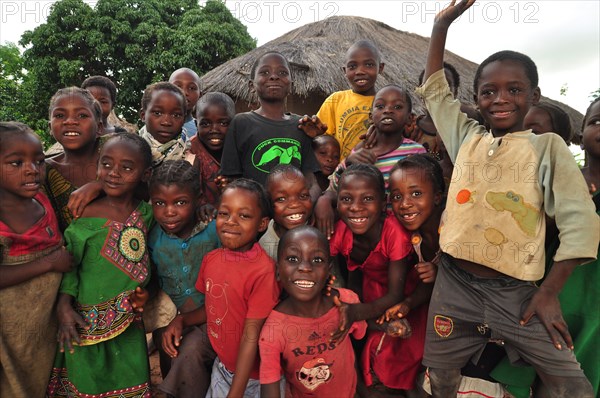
x: 370, y: 118
x: 264, y: 223
x: 437, y: 198
x: 343, y: 69
x: 251, y: 86
x: 143, y: 115
x: 147, y: 174
x: 381, y: 66
x: 537, y: 94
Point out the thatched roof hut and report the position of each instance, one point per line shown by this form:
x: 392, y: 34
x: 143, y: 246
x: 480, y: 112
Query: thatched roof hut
x: 316, y: 53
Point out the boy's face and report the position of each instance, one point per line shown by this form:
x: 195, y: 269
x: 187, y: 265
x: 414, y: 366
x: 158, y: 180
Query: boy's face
x: 391, y: 111
x: 304, y: 266
x: 102, y: 95
x: 164, y: 117
x: 272, y: 80
x: 328, y: 157
x: 292, y: 205
x: 359, y: 203
x: 188, y: 82
x: 212, y: 127
x: 174, y: 208
x: 239, y: 219
x: 361, y: 69
x: 591, y: 132
x: 504, y: 96
x: 73, y: 123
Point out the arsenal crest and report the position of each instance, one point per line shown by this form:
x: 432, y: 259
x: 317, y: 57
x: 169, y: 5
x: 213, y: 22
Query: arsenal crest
x: 443, y: 325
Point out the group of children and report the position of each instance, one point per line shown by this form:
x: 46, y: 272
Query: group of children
x: 294, y: 274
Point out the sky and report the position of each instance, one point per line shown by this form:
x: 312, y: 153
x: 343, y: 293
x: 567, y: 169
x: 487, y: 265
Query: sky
x: 561, y: 36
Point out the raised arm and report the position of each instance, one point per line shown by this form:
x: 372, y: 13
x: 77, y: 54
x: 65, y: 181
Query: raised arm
x: 437, y: 43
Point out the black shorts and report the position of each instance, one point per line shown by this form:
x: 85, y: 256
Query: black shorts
x: 467, y: 311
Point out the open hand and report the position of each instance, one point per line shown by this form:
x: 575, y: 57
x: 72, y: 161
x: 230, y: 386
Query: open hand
x: 452, y: 12
x: 312, y: 126
x: 207, y: 213
x: 397, y: 311
x: 398, y: 328
x: 68, y: 321
x: 544, y: 304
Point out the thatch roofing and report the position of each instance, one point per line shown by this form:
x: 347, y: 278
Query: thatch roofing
x: 316, y: 53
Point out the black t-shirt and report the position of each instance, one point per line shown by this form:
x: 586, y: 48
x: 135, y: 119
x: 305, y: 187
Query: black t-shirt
x: 254, y: 145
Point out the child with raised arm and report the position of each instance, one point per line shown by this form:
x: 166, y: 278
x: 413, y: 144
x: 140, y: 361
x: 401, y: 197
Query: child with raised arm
x: 346, y: 113
x: 100, y: 300
x: 177, y: 245
x: 32, y: 259
x: 258, y: 141
x: 311, y: 363
x: 238, y: 281
x: 188, y: 81
x: 291, y: 205
x: 493, y: 237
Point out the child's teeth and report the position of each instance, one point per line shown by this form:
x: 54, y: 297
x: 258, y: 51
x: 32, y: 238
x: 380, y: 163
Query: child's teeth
x: 304, y: 284
x: 71, y: 133
x: 358, y: 219
x: 294, y: 217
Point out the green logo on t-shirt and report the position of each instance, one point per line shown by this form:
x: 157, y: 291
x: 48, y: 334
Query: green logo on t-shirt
x: 274, y: 151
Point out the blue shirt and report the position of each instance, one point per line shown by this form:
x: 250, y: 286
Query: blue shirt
x: 178, y: 260
x: 189, y: 128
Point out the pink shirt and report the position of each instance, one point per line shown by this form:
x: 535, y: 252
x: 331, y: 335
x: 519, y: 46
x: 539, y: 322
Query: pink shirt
x: 300, y: 349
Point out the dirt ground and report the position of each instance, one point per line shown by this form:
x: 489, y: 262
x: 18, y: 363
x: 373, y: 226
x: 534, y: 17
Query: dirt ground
x: 155, y: 376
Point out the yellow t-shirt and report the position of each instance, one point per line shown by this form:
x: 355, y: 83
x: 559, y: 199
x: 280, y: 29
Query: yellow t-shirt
x: 347, y: 117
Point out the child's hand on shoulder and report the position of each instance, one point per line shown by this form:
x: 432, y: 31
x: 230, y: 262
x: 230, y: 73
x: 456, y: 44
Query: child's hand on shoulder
x: 221, y: 182
x: 362, y: 155
x: 369, y: 139
x: 81, y: 197
x: 138, y: 299
x: 61, y: 260
x: 312, y: 126
x: 427, y: 271
x: 207, y: 213
x: 346, y: 319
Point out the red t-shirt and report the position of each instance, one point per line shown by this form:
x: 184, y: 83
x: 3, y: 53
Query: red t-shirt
x: 237, y: 286
x: 300, y: 349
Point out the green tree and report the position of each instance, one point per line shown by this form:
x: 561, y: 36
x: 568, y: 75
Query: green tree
x: 11, y: 77
x: 134, y: 42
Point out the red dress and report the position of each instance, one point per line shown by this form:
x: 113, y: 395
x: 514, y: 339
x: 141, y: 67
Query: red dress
x: 395, y: 361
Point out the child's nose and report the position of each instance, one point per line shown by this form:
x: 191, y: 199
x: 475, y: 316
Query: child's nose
x: 305, y: 266
x: 31, y: 168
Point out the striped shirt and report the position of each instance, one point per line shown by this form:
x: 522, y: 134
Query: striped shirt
x: 384, y: 162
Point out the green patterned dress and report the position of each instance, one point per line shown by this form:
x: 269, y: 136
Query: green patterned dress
x: 112, y: 260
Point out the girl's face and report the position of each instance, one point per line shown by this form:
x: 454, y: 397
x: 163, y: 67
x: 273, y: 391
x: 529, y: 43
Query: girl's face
x: 72, y: 122
x: 538, y: 120
x: 504, y: 96
x: 272, y: 78
x: 164, y: 116
x: 304, y: 266
x: 591, y: 132
x: 290, y: 196
x: 174, y: 208
x: 239, y: 219
x: 391, y: 111
x: 121, y: 168
x: 328, y: 157
x: 413, y: 197
x: 102, y: 95
x: 22, y: 166
x: 360, y: 203
x: 212, y: 127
